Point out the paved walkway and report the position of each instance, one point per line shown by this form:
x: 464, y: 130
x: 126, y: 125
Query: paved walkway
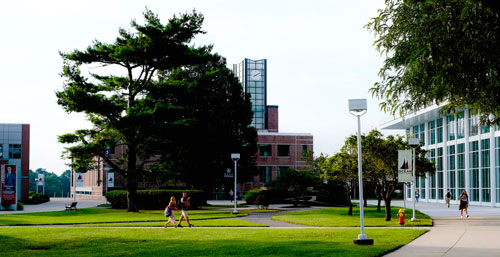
x: 453, y: 236
x: 55, y: 204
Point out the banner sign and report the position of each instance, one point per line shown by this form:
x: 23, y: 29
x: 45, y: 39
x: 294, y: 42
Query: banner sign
x: 79, y: 179
x: 8, y: 188
x: 41, y: 180
x: 404, y: 166
x: 111, y: 179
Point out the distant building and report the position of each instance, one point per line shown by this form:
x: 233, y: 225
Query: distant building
x: 15, y: 150
x: 277, y: 151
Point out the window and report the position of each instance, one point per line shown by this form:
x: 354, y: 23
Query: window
x: 450, y: 123
x: 497, y: 168
x: 304, y: 148
x: 265, y: 150
x: 282, y: 169
x: 432, y: 132
x: 460, y: 168
x: 485, y: 170
x: 473, y: 124
x: 422, y: 133
x: 265, y: 174
x: 432, y: 178
x: 439, y: 166
x: 14, y: 151
x: 1, y: 151
x: 283, y: 150
x: 474, y: 170
x: 451, y: 172
x: 439, y: 130
x: 415, y: 131
x: 460, y: 125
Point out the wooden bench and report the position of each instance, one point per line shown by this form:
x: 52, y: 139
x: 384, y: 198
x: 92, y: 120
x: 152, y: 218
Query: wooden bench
x: 71, y: 207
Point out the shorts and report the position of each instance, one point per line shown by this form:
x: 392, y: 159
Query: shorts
x: 185, y: 213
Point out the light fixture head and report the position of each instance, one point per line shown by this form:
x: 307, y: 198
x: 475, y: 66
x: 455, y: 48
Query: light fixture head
x: 235, y: 156
x: 414, y: 142
x: 357, y: 105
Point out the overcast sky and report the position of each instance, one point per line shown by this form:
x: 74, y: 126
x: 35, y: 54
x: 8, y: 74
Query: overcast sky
x: 318, y: 53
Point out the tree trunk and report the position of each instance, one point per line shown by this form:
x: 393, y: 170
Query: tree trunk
x: 350, y: 207
x: 387, y: 209
x: 365, y: 201
x: 132, y: 180
x: 378, y: 203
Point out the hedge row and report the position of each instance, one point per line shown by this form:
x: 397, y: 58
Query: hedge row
x: 155, y: 199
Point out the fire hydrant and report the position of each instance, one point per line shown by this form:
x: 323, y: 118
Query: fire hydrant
x: 401, y: 215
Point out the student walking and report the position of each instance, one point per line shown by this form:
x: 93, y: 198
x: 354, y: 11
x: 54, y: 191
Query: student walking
x: 464, y: 203
x: 417, y: 196
x: 169, y: 212
x: 448, y: 198
x: 231, y: 194
x: 185, y: 202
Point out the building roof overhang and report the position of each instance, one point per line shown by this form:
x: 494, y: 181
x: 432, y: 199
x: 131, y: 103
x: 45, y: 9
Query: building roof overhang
x: 413, y: 119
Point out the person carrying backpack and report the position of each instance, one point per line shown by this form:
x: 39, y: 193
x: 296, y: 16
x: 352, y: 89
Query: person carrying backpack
x: 448, y: 198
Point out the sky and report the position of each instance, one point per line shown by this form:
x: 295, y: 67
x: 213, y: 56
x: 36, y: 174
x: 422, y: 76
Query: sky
x: 319, y: 55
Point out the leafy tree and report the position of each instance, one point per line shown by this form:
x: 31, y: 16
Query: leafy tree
x: 296, y: 182
x: 342, y: 168
x: 439, y: 52
x: 129, y: 108
x: 380, y: 163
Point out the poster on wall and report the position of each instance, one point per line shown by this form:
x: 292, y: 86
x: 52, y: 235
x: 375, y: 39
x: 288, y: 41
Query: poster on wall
x: 111, y: 179
x: 8, y: 187
x: 79, y: 179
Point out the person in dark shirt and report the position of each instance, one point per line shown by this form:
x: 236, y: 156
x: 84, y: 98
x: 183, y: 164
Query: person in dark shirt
x: 185, y: 202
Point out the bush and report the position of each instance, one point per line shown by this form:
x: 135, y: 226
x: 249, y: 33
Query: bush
x: 262, y: 201
x: 251, y: 195
x: 155, y: 199
x: 20, y: 206
x: 36, y: 198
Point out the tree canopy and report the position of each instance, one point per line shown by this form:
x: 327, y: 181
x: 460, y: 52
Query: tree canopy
x: 160, y: 93
x: 439, y: 52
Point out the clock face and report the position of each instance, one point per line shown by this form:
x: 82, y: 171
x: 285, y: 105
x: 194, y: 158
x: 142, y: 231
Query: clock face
x: 255, y: 75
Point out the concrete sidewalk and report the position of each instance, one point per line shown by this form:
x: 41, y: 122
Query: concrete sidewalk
x: 451, y: 235
x: 55, y: 204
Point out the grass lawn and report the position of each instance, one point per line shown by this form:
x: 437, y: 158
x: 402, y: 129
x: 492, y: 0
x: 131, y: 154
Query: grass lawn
x: 337, y: 217
x: 197, y: 223
x: 82, y: 241
x: 212, y: 207
x: 95, y: 215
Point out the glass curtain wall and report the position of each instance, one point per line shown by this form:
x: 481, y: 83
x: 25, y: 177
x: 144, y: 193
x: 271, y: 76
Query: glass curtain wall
x: 485, y: 170
x: 439, y: 167
x: 432, y: 178
x: 474, y: 170
x: 460, y: 125
x: 439, y: 130
x: 450, y: 175
x: 497, y: 168
x: 422, y: 133
x: 450, y: 123
x: 460, y: 168
x: 473, y: 124
x: 432, y: 132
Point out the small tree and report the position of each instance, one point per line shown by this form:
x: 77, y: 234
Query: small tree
x: 296, y: 182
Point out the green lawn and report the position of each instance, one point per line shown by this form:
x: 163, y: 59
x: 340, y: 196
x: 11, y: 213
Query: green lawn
x: 197, y: 223
x: 212, y: 207
x: 337, y: 217
x: 82, y: 241
x: 95, y: 215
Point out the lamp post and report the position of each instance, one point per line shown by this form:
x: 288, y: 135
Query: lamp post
x: 414, y: 143
x: 235, y: 157
x: 358, y: 107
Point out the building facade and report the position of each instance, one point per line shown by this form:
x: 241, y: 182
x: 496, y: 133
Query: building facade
x: 466, y: 155
x: 15, y: 150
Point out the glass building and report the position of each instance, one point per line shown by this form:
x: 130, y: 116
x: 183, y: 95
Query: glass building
x: 253, y: 77
x: 466, y: 155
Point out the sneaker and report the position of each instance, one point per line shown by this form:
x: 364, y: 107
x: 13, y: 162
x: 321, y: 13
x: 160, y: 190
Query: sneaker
x: 461, y: 217
x: 467, y: 215
x: 191, y: 225
x: 179, y: 225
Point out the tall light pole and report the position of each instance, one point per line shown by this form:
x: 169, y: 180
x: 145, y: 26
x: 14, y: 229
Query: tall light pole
x: 358, y: 107
x: 414, y: 143
x: 235, y: 157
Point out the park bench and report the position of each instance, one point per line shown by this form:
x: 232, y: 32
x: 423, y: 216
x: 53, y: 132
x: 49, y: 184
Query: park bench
x: 71, y: 206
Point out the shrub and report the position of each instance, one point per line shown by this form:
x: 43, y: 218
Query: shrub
x: 36, y: 198
x: 251, y: 195
x: 20, y: 206
x: 262, y: 201
x: 155, y: 199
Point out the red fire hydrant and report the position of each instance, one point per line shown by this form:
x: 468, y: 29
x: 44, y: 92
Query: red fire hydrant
x: 401, y: 215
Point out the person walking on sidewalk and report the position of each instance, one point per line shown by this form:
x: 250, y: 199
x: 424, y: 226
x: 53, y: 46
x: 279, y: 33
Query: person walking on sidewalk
x: 169, y: 212
x: 417, y: 196
x: 464, y: 203
x: 448, y: 198
x: 185, y: 202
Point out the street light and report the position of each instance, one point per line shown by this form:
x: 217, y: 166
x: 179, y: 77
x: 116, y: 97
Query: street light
x: 414, y: 143
x: 357, y: 107
x: 235, y: 157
